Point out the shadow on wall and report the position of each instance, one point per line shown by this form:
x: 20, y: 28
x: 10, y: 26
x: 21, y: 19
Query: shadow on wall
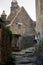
x: 28, y: 41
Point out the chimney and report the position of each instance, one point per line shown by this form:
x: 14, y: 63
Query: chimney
x: 3, y: 16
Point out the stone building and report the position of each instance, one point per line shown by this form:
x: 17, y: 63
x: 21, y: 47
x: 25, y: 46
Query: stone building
x: 39, y: 16
x: 21, y: 25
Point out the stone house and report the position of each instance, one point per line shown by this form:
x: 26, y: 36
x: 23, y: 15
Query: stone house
x: 21, y: 25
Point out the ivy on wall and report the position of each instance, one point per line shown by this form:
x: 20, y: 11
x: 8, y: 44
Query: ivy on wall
x: 8, y: 33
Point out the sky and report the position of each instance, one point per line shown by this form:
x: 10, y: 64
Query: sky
x: 29, y: 6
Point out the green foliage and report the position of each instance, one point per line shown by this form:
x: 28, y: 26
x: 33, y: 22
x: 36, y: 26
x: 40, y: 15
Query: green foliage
x: 39, y: 52
x: 10, y: 60
x: 39, y: 48
x: 8, y: 33
x: 8, y: 37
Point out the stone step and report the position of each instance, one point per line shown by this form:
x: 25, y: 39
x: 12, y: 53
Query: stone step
x: 25, y: 57
x: 25, y: 60
x: 26, y: 64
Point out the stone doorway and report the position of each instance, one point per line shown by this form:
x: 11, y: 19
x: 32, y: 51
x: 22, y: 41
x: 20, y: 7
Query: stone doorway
x: 15, y: 42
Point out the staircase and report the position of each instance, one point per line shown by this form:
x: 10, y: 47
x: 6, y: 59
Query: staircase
x: 25, y: 58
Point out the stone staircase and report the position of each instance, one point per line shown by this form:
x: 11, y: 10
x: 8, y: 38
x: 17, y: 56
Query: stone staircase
x: 25, y: 58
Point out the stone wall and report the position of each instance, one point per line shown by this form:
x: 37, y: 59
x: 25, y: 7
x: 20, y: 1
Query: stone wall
x: 5, y: 46
x: 27, y: 41
x: 39, y: 17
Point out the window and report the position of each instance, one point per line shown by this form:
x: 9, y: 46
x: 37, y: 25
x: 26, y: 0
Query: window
x: 19, y: 25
